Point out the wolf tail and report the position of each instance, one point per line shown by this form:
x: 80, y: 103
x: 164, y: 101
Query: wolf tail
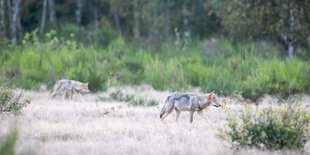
x: 168, y: 107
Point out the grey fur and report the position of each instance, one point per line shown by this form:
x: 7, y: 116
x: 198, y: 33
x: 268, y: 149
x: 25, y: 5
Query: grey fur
x: 70, y: 86
x: 187, y: 102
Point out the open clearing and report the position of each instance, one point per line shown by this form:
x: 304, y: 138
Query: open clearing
x: 61, y: 126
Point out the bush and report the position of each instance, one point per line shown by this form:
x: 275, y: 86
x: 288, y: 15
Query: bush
x: 211, y: 78
x: 276, y: 77
x: 286, y: 127
x: 7, y: 146
x: 120, y: 96
x: 143, y: 102
x: 102, y: 36
x: 165, y: 75
x: 69, y: 30
x: 91, y: 73
x: 11, y: 101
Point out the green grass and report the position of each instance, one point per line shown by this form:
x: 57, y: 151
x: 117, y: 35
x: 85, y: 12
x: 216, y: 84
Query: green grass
x: 7, y: 146
x: 131, y: 99
x: 12, y: 101
x: 227, y: 67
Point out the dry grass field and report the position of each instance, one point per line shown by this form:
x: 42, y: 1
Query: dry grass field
x: 61, y: 126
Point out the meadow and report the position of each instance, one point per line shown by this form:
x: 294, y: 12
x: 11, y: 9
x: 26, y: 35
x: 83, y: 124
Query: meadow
x: 129, y: 84
x: 61, y: 126
x: 133, y: 54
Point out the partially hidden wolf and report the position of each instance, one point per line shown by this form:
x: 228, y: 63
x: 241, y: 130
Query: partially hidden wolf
x: 71, y: 87
x: 188, y: 102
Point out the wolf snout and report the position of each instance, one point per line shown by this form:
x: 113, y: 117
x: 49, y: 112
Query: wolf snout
x: 85, y: 93
x: 218, y: 105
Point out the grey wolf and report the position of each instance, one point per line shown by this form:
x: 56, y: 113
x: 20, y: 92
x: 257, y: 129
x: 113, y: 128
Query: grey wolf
x: 71, y: 87
x: 188, y: 102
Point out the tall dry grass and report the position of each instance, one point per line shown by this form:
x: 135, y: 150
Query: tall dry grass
x: 60, y: 126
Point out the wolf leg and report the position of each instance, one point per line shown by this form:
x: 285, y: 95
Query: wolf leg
x: 200, y: 112
x: 178, y: 115
x: 82, y: 98
x: 164, y: 116
x: 55, y: 90
x: 53, y: 94
x: 191, y: 114
x: 167, y: 109
x: 71, y: 95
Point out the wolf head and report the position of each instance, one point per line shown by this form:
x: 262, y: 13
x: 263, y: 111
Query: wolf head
x: 84, y: 88
x: 212, y: 98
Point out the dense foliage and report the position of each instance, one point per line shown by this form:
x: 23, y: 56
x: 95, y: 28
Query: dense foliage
x: 223, y: 66
x: 286, y: 127
x: 11, y: 101
x: 138, y: 19
x: 158, y: 21
x: 266, y: 18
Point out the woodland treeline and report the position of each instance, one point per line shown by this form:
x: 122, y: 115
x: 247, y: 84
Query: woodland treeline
x: 160, y: 21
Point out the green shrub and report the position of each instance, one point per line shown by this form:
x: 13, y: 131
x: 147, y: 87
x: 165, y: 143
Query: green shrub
x: 286, y: 127
x: 254, y: 86
x: 92, y: 74
x: 7, y: 146
x: 211, y: 78
x: 137, y: 102
x: 131, y: 99
x: 11, y: 101
x: 102, y: 36
x: 276, y: 77
x: 69, y: 30
x: 132, y: 68
x: 143, y: 102
x: 118, y: 95
x: 169, y: 75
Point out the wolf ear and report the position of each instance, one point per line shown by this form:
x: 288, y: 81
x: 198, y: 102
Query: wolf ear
x: 210, y: 95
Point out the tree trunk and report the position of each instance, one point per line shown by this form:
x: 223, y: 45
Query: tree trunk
x: 14, y: 21
x: 43, y: 17
x: 116, y: 19
x: 186, y: 32
x: 95, y: 9
x: 19, y: 29
x: 290, y: 50
x: 3, y: 17
x: 78, y: 11
x: 290, y: 41
x: 153, y: 29
x: 167, y: 22
x: 9, y: 12
x: 152, y: 25
x: 136, y: 16
x: 52, y: 12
